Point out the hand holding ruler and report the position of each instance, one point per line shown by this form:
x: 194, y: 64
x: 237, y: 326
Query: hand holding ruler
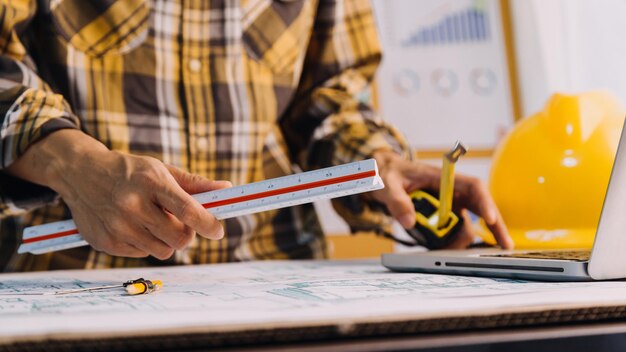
x: 280, y: 192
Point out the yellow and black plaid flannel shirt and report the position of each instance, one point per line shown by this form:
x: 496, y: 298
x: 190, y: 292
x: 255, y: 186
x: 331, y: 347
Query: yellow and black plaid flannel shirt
x: 239, y: 90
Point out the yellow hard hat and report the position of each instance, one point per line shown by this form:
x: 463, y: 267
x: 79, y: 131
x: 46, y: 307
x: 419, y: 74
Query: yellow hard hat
x: 550, y: 173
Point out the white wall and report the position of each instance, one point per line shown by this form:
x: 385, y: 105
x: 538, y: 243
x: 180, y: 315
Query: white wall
x: 569, y: 46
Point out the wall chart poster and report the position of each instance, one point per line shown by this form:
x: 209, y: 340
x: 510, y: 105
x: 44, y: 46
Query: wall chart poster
x: 445, y: 73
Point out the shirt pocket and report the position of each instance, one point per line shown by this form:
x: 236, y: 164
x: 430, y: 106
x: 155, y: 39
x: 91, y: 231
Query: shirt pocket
x: 99, y: 28
x: 276, y: 33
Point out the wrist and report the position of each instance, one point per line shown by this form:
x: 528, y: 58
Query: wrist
x: 49, y: 161
x: 384, y: 157
x: 68, y: 153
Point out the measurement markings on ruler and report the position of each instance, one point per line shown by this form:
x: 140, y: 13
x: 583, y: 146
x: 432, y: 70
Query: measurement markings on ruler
x: 306, y: 187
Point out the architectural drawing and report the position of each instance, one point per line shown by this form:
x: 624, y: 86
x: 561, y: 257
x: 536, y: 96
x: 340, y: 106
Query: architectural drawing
x: 269, y: 293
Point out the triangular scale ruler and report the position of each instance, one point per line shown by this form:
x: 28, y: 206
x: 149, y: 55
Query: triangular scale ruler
x: 281, y: 192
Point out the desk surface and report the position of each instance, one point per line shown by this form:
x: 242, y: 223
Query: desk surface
x: 595, y: 337
x: 288, y: 302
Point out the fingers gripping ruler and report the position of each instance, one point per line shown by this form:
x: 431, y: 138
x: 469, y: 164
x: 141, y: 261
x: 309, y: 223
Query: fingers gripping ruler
x: 281, y: 192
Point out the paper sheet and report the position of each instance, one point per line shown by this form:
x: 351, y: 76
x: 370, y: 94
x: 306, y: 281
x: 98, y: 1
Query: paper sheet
x: 264, y: 294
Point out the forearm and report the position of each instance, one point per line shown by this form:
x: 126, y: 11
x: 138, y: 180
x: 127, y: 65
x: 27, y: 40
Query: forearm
x: 48, y: 160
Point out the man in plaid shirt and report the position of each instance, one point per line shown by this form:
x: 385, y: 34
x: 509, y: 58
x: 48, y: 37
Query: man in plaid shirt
x: 117, y: 110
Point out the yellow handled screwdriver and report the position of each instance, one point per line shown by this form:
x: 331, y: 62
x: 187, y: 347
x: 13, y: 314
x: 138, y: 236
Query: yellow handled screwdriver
x: 133, y: 287
x: 435, y: 223
x: 140, y: 286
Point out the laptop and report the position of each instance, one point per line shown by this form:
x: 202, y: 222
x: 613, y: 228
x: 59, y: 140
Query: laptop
x: 605, y: 261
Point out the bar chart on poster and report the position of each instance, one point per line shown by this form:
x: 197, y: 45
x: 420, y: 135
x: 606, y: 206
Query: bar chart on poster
x: 444, y: 74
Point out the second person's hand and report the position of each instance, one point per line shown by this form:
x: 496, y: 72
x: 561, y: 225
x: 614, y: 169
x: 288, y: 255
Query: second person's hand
x: 402, y: 177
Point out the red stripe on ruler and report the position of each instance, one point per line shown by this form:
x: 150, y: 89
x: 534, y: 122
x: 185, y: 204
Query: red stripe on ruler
x: 235, y: 200
x: 51, y: 236
x: 291, y: 189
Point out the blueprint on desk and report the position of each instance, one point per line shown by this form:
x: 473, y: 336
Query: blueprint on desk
x: 270, y: 294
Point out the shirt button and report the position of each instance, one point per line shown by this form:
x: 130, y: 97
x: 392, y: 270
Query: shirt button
x: 195, y: 65
x: 202, y: 144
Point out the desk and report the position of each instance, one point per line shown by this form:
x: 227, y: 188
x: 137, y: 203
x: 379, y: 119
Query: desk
x: 597, y: 337
x: 306, y: 305
x: 589, y: 337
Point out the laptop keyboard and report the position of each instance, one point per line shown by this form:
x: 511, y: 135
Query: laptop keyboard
x: 574, y: 255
